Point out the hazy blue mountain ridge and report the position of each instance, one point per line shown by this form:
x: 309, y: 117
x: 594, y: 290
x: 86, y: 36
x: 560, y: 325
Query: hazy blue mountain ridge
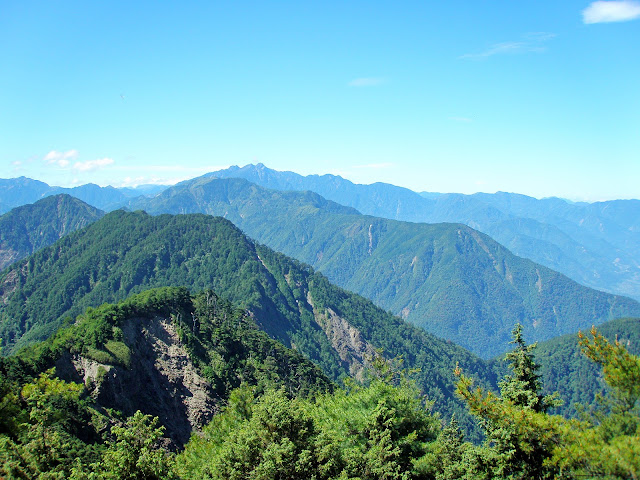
x: 15, y: 192
x: 595, y: 244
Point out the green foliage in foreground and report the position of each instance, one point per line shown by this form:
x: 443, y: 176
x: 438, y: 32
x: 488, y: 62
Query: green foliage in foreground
x: 382, y: 430
x: 50, y: 428
x: 369, y: 432
x: 566, y: 370
x: 523, y: 441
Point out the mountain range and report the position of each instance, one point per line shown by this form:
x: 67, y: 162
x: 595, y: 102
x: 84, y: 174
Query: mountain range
x: 15, y: 192
x: 596, y: 244
x: 126, y: 253
x: 449, y: 279
x: 396, y: 264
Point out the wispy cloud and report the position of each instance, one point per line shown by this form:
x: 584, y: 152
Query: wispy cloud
x: 90, y: 165
x: 366, y: 82
x: 62, y: 159
x: 136, y: 181
x: 534, y: 42
x: 611, y: 11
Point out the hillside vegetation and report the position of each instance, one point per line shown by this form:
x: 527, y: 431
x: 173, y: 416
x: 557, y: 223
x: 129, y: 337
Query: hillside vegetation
x: 26, y: 229
x: 125, y: 253
x: 566, y: 370
x: 67, y: 401
x: 270, y: 427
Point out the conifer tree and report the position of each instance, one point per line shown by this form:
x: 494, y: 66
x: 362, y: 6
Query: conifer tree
x: 516, y: 448
x: 524, y: 388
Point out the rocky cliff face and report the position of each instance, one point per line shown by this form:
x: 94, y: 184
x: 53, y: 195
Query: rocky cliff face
x: 347, y: 340
x: 161, y: 380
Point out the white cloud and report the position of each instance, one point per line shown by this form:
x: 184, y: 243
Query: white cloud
x: 62, y: 159
x: 531, y: 42
x: 142, y: 180
x: 16, y: 163
x: 611, y: 11
x: 366, y: 82
x: 92, y: 164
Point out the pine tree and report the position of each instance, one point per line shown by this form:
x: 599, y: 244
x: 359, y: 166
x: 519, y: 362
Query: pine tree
x: 524, y: 388
x: 517, y: 447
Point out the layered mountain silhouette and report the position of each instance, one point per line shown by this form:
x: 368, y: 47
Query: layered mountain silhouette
x: 596, y: 244
x: 15, y: 192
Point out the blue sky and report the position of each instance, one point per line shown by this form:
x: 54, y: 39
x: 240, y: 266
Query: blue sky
x: 540, y: 98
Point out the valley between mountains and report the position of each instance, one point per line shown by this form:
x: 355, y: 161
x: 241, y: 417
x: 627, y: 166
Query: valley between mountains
x: 218, y: 293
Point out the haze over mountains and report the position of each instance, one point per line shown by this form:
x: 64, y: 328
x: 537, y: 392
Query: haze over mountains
x: 15, y: 192
x: 596, y: 244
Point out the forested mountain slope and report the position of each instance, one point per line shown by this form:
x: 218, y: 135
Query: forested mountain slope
x: 125, y: 253
x: 596, y: 244
x: 26, y: 229
x: 168, y: 354
x: 447, y: 278
x: 566, y: 370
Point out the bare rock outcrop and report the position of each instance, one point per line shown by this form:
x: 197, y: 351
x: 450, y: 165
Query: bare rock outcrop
x: 345, y: 339
x: 161, y: 380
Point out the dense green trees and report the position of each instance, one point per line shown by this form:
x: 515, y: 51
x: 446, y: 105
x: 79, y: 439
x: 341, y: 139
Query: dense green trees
x: 277, y: 428
x: 372, y: 432
x: 45, y: 427
x: 523, y: 441
x: 126, y: 253
x: 50, y: 428
x: 133, y: 452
